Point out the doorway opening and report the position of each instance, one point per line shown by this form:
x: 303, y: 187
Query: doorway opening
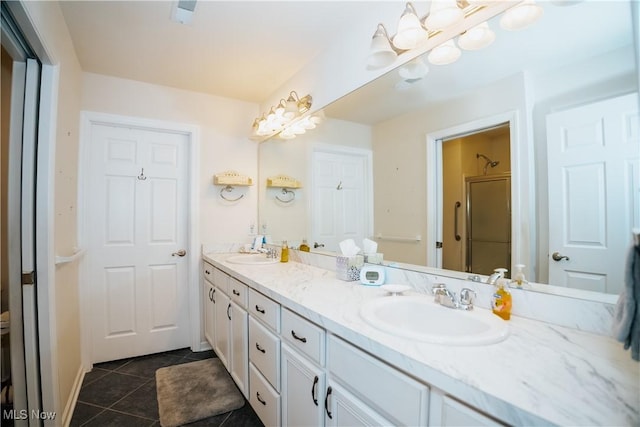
x: 476, y: 201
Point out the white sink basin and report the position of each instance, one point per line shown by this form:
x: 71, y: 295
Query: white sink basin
x: 252, y: 259
x: 420, y: 318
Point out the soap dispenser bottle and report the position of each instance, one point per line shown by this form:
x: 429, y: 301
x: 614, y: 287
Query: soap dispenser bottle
x: 304, y: 247
x: 518, y: 276
x: 284, y: 252
x: 501, y: 299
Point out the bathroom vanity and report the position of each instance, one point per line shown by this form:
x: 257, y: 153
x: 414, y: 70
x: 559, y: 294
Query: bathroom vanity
x: 298, y: 348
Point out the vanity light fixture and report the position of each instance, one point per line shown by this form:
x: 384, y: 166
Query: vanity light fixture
x: 445, y: 53
x: 521, y: 15
x: 382, y: 54
x: 477, y: 37
x: 442, y: 15
x: 410, y: 30
x: 414, y: 69
x: 284, y: 118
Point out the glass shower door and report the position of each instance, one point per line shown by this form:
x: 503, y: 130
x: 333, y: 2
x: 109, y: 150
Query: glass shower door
x: 488, y: 223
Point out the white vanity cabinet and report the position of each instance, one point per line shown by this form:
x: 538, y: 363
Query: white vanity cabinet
x: 208, y: 306
x: 379, y: 388
x: 448, y: 412
x: 264, y: 358
x: 230, y: 326
x: 303, y: 374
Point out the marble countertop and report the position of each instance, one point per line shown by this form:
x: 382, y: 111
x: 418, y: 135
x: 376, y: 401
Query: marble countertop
x: 541, y: 374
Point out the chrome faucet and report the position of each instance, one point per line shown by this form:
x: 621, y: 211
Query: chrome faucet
x: 445, y: 297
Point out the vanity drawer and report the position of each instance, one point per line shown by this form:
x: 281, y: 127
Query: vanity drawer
x: 221, y: 280
x: 305, y: 336
x: 264, y: 352
x: 396, y: 396
x: 207, y: 272
x: 265, y: 309
x: 263, y: 398
x: 238, y: 292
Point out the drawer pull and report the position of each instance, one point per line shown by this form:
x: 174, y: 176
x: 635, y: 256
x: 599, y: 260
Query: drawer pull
x: 303, y: 339
x: 213, y: 295
x: 229, y: 308
x: 313, y: 390
x: 236, y: 292
x: 326, y: 403
x: 260, y: 348
x: 210, y: 294
x: 260, y: 399
x: 260, y: 309
x: 207, y: 272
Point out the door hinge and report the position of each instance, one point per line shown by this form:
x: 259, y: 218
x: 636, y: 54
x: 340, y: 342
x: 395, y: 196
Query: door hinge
x: 29, y: 278
x: 438, y: 245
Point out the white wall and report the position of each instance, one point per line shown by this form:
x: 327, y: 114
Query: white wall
x: 224, y: 143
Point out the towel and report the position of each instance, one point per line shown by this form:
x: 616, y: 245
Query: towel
x: 626, y: 316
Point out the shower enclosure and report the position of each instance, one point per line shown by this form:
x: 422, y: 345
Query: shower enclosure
x: 488, y: 223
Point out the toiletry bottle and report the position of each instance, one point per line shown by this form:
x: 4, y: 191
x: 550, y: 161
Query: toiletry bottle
x: 284, y: 252
x: 501, y: 300
x: 304, y: 246
x: 518, y: 276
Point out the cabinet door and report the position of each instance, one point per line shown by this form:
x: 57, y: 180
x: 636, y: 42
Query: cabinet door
x: 222, y: 320
x: 302, y: 390
x: 209, y: 312
x: 239, y: 356
x: 344, y: 409
x: 451, y: 413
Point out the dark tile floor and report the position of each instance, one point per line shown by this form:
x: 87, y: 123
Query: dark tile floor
x: 123, y: 393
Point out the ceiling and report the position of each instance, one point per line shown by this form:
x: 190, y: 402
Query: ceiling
x: 242, y: 50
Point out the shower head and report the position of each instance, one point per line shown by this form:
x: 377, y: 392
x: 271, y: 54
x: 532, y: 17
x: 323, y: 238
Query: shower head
x: 490, y: 162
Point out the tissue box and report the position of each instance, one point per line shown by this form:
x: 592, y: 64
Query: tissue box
x: 375, y: 258
x: 348, y: 267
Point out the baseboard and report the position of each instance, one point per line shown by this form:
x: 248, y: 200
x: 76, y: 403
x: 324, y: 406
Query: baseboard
x: 73, y: 398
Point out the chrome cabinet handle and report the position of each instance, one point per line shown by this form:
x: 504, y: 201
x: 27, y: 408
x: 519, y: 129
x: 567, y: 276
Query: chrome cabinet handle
x: 181, y: 253
x: 293, y: 334
x: 557, y: 256
x: 455, y: 221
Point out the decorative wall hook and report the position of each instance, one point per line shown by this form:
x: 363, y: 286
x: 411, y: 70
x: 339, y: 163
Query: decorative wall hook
x: 141, y: 177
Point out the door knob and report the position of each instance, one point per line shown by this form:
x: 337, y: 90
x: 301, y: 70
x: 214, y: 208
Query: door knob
x: 180, y: 253
x: 557, y: 256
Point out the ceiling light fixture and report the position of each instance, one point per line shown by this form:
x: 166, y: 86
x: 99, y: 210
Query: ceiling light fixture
x: 286, y: 120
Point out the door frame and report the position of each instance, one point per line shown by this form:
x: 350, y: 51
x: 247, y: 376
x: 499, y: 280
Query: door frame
x: 87, y: 120
x: 522, y: 191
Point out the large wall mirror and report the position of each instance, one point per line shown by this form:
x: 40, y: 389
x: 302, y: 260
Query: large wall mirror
x: 401, y: 132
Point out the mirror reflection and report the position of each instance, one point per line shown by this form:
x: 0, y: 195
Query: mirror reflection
x: 378, y: 165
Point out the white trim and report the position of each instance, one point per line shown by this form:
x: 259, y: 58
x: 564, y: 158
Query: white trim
x: 521, y: 195
x: 67, y: 414
x: 367, y: 154
x: 88, y: 119
x: 45, y: 250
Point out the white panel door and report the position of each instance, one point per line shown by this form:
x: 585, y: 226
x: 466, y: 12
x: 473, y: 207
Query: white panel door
x: 340, y: 203
x: 593, y: 153
x: 138, y: 207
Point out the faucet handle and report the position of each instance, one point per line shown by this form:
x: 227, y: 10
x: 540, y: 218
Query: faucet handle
x: 467, y: 297
x: 438, y: 288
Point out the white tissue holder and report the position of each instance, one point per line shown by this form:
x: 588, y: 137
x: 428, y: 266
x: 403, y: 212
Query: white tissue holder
x: 348, y: 267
